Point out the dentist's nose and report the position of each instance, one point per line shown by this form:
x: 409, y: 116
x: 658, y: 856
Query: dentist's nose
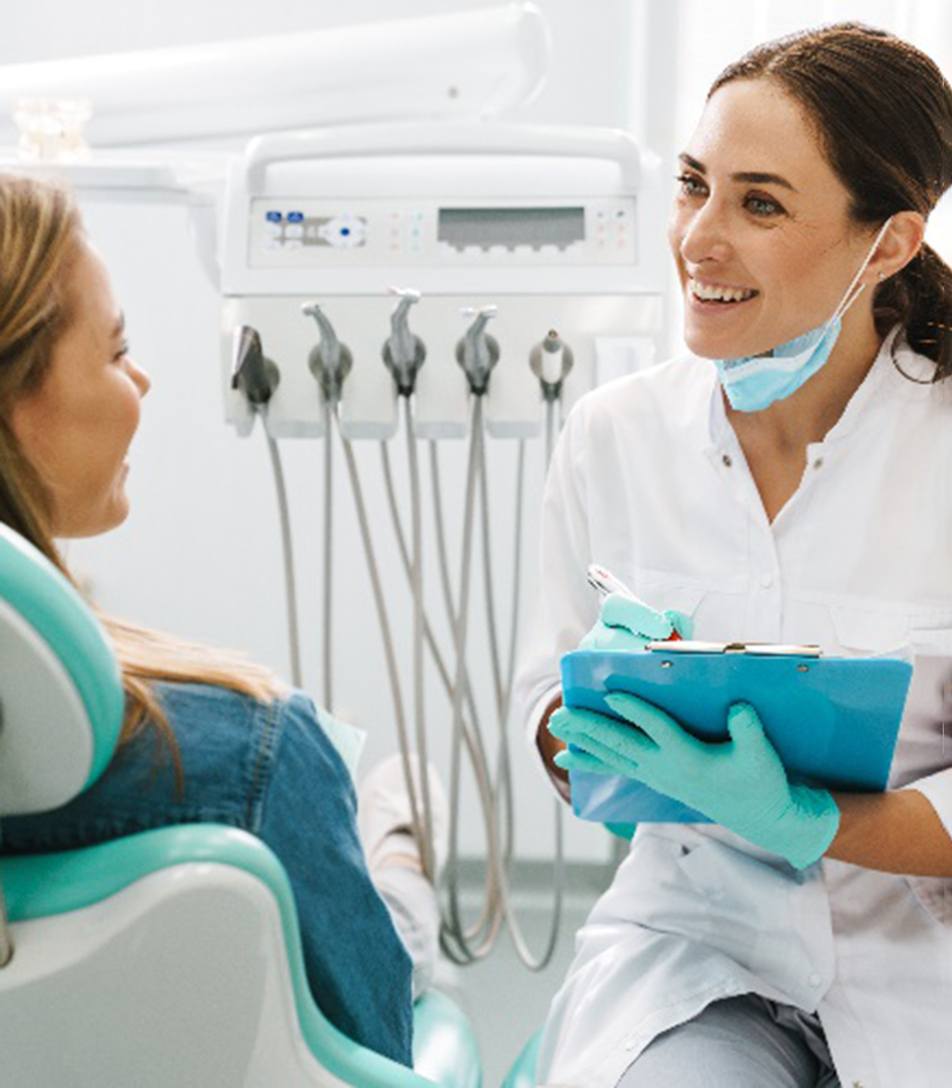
x: 704, y: 236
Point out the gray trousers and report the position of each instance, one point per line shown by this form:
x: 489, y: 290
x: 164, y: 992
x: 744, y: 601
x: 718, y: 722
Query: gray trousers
x: 740, y: 1042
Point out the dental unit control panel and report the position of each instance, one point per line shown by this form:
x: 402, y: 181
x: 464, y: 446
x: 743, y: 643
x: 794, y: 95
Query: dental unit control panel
x: 320, y: 234
x: 555, y: 228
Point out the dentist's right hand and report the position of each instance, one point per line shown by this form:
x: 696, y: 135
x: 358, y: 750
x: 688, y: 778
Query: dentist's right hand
x: 624, y: 624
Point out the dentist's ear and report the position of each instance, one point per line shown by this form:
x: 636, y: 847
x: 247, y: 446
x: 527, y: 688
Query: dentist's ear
x: 900, y: 243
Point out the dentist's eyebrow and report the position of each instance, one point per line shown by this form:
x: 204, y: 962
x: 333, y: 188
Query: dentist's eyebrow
x: 751, y: 177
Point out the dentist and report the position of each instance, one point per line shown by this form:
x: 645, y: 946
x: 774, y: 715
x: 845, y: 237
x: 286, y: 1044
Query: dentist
x: 788, y: 481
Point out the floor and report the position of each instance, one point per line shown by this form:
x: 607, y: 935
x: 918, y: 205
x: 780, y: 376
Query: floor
x: 503, y: 1026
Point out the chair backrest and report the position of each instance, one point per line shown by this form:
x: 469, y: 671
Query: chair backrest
x: 61, y: 698
x: 172, y: 956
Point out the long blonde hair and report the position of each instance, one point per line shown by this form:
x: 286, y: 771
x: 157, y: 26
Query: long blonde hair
x: 39, y: 229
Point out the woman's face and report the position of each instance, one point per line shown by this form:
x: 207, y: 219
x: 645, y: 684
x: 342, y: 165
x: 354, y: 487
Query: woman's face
x: 76, y: 428
x: 760, y: 233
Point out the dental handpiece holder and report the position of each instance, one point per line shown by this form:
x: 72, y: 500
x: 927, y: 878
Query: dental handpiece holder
x: 254, y: 376
x: 551, y: 361
x: 329, y: 360
x: 478, y: 352
x: 403, y: 351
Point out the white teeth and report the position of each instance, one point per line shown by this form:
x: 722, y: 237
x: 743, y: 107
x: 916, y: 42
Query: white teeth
x: 712, y: 293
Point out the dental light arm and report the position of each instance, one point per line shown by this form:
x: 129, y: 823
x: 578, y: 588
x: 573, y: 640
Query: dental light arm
x: 464, y: 64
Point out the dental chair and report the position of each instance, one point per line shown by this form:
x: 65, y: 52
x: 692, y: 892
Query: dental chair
x: 169, y: 957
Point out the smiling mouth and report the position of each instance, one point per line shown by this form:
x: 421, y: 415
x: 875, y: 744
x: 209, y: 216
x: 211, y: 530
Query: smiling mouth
x: 719, y: 293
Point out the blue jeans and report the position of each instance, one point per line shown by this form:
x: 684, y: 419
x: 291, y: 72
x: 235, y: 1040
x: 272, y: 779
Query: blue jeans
x: 270, y: 770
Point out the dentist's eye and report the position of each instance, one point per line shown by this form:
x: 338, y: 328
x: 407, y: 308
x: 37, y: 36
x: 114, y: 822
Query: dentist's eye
x: 122, y: 352
x: 691, y: 185
x: 762, y: 205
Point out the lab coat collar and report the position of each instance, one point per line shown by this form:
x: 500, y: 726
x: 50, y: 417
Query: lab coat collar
x: 894, y: 353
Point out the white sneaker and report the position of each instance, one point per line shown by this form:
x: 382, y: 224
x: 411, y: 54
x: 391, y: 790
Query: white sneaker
x: 384, y: 817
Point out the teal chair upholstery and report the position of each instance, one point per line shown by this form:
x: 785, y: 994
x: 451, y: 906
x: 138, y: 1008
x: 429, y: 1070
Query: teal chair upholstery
x: 168, y: 957
x: 523, y: 1072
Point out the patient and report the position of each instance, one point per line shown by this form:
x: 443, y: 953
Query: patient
x: 207, y: 736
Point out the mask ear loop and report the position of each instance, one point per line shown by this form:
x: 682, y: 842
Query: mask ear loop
x: 851, y: 296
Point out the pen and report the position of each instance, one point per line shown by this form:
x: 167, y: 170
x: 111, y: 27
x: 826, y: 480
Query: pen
x: 601, y: 579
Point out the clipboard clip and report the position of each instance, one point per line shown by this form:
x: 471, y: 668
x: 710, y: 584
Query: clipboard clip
x: 752, y: 649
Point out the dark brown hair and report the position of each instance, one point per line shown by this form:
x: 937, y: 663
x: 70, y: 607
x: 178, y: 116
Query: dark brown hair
x: 883, y: 111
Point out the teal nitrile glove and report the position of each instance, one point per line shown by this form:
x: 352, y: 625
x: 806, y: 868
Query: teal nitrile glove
x: 739, y: 783
x: 624, y: 624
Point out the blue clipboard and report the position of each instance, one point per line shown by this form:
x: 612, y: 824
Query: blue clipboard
x: 833, y: 720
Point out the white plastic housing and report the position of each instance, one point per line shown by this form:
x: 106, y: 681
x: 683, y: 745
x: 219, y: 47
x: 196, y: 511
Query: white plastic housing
x: 45, y: 740
x: 181, y: 978
x: 463, y: 64
x: 337, y: 216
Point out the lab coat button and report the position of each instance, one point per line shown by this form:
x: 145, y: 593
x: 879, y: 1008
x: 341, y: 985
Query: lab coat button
x: 726, y: 460
x: 814, y: 979
x: 818, y: 463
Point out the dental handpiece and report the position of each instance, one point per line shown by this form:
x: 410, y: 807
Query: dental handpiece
x: 601, y: 579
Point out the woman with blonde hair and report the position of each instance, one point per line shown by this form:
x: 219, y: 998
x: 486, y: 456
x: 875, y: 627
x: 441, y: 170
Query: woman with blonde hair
x: 207, y: 736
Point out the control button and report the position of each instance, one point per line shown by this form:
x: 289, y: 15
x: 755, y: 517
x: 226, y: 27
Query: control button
x: 273, y: 230
x: 295, y: 217
x: 766, y: 580
x: 273, y: 217
x: 294, y: 230
x: 344, y: 231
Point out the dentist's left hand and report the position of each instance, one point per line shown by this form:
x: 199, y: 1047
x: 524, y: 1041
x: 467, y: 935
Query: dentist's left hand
x: 739, y: 783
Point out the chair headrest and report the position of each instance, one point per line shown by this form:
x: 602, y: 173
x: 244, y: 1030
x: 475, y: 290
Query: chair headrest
x: 61, y: 698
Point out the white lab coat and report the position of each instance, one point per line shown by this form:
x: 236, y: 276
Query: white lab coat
x: 649, y: 480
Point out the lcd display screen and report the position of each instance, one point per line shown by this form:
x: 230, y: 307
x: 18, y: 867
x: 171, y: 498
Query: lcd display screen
x: 485, y: 227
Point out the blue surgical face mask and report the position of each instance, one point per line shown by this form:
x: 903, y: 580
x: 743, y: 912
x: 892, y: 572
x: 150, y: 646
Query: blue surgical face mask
x: 754, y: 382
